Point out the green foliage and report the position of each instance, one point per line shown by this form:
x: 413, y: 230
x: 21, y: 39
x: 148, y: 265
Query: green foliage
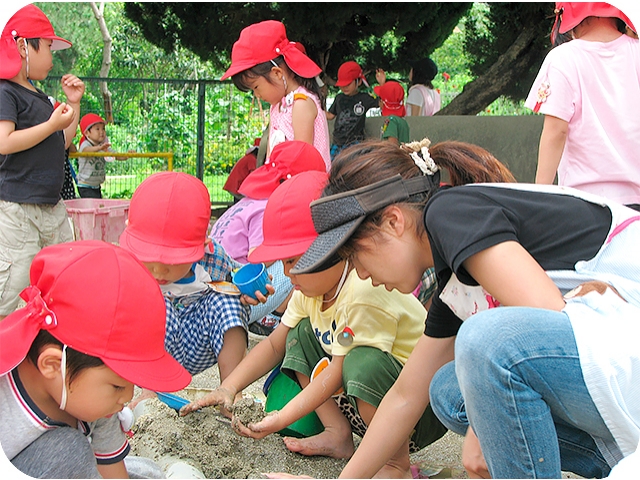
x: 332, y: 31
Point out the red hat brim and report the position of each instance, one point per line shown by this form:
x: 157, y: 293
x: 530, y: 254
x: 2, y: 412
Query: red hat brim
x: 146, y: 251
x: 272, y: 253
x: 16, y: 336
x: 163, y: 374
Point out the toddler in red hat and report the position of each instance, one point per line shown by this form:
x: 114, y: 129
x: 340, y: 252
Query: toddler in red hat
x: 341, y: 339
x: 276, y: 70
x: 239, y: 230
x: 92, y: 328
x: 395, y: 128
x: 167, y: 231
x: 349, y: 108
x: 91, y: 170
x: 33, y: 138
x: 588, y: 89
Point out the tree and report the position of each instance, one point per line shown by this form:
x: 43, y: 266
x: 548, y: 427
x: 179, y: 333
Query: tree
x: 506, y: 51
x: 379, y: 35
x: 506, y: 48
x: 98, y: 12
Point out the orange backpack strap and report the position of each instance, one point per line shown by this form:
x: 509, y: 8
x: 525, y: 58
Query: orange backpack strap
x: 299, y: 96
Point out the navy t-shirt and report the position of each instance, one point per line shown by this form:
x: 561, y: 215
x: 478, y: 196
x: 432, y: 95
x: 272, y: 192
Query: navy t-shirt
x: 34, y: 175
x: 350, y: 112
x: 557, y: 230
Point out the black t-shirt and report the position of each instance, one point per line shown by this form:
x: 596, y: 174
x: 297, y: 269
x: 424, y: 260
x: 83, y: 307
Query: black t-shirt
x: 34, y: 175
x: 557, y: 230
x: 350, y: 112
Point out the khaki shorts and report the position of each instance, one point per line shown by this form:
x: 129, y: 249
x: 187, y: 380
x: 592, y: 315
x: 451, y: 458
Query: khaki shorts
x: 25, y: 229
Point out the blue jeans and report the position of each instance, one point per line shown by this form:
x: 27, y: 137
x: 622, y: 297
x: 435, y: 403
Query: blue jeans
x: 517, y: 377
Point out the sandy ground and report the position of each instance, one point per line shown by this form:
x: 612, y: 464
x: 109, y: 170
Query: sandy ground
x: 206, y: 441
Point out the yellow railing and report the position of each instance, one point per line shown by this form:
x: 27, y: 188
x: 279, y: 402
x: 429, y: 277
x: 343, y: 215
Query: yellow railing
x: 167, y: 155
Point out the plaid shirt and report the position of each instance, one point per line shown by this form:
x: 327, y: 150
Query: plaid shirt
x: 195, y: 332
x: 196, y: 325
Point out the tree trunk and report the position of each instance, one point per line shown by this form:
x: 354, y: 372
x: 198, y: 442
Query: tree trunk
x: 98, y: 12
x: 482, y: 91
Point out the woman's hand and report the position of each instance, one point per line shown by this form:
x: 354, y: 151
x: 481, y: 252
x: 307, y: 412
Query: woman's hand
x: 472, y: 458
x: 220, y: 396
x: 266, y: 426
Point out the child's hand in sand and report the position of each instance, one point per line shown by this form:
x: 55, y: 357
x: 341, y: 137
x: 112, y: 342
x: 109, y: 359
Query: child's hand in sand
x: 259, y: 296
x: 220, y: 396
x: 268, y: 425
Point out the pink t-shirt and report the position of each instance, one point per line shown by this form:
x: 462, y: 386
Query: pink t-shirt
x: 595, y: 87
x: 239, y: 229
x: 281, y: 126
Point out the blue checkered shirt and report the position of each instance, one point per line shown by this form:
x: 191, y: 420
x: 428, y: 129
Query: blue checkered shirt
x: 195, y: 332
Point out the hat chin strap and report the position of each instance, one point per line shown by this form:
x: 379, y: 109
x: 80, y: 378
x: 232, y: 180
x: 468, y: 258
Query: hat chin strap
x: 63, y: 372
x: 26, y: 50
x: 340, y: 283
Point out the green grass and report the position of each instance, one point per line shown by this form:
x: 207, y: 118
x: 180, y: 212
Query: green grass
x: 123, y: 186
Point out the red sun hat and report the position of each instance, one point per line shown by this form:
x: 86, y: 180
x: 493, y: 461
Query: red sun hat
x: 348, y: 72
x: 287, y: 159
x: 392, y: 96
x: 168, y: 220
x: 98, y: 299
x: 264, y: 41
x: 28, y: 22
x: 287, y: 226
x: 89, y: 120
x: 573, y: 13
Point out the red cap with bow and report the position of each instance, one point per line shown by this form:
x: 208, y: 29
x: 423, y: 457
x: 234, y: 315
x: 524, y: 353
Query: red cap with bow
x: 264, y: 41
x: 98, y: 299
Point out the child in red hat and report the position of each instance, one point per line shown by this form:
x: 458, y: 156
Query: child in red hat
x: 276, y: 70
x: 338, y: 330
x: 243, y: 167
x: 92, y: 328
x: 239, y: 229
x: 167, y: 231
x: 33, y: 138
x: 349, y: 108
x: 91, y: 170
x: 395, y: 128
x: 588, y: 89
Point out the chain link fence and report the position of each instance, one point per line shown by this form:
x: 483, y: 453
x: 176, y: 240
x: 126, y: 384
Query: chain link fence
x: 206, y: 124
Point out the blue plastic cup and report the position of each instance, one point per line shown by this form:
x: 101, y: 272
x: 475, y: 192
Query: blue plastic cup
x: 250, y: 278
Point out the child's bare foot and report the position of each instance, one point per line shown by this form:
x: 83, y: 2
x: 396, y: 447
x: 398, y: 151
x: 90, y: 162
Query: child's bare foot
x: 329, y: 443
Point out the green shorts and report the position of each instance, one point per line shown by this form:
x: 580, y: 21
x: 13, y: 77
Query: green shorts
x: 367, y: 373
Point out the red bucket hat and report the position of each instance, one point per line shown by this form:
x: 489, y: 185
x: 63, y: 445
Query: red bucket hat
x: 88, y: 121
x: 348, y: 72
x: 99, y: 300
x: 570, y: 14
x: 288, y: 227
x: 392, y: 96
x: 168, y: 220
x: 287, y: 159
x: 28, y: 22
x: 264, y: 41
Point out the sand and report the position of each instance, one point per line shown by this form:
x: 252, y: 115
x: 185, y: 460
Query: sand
x: 205, y: 440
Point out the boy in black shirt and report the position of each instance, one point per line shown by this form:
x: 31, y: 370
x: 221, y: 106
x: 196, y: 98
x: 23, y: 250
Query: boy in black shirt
x: 349, y: 108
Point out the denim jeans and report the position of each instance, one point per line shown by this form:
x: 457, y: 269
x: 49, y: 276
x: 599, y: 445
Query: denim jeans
x: 517, y: 377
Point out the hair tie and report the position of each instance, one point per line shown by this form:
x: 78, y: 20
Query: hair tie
x: 424, y: 162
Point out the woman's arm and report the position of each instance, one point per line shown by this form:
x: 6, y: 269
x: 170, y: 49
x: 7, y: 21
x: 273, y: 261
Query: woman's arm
x: 401, y: 408
x: 552, y: 141
x: 303, y: 116
x: 415, y: 110
x: 509, y: 273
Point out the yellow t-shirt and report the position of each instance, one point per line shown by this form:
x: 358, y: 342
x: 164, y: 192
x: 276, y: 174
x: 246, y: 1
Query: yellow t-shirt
x: 390, y: 321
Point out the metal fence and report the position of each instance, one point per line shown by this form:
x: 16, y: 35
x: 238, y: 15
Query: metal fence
x: 206, y: 124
